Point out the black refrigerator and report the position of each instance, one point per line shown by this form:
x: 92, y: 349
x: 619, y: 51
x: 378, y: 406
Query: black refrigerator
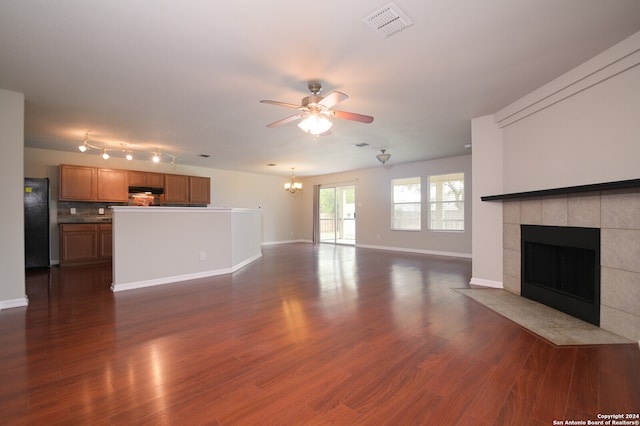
x: 36, y: 223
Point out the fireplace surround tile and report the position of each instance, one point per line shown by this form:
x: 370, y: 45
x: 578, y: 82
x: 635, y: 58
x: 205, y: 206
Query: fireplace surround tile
x: 620, y: 249
x: 621, y: 289
x: 555, y: 211
x: 620, y: 322
x: 621, y: 210
x: 511, y: 284
x: 511, y: 236
x: 531, y: 212
x: 616, y: 213
x: 511, y: 212
x: 512, y: 263
x: 584, y: 210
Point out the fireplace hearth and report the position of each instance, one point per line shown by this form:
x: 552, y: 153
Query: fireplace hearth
x: 561, y: 268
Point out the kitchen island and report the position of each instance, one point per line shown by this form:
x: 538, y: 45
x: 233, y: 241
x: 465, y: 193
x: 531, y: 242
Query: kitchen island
x: 162, y: 245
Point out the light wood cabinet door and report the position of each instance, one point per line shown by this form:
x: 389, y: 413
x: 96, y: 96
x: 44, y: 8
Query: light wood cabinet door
x: 113, y: 185
x: 155, y: 180
x: 199, y: 190
x: 78, y: 243
x: 78, y: 183
x: 176, y: 189
x: 105, y: 241
x: 137, y: 178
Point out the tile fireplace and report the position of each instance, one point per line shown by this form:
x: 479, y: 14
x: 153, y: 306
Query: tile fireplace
x: 612, y: 210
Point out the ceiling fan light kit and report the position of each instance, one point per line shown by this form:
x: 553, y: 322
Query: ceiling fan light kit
x: 315, y: 124
x: 315, y: 111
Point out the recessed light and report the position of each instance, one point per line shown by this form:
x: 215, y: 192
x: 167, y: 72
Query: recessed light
x: 361, y: 144
x: 204, y: 155
x: 272, y: 164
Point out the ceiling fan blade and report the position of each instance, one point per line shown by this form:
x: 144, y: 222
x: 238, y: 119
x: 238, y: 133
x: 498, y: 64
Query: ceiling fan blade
x: 284, y: 104
x: 332, y: 99
x: 286, y: 120
x: 352, y: 116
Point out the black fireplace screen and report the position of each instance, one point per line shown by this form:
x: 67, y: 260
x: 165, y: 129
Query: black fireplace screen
x: 561, y: 268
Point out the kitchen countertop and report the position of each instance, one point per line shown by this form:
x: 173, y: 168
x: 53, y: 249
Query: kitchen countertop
x: 84, y: 219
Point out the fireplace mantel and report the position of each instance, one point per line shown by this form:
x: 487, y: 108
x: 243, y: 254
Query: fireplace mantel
x: 606, y: 186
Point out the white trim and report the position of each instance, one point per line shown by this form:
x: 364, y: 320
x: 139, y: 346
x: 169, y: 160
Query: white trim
x: 185, y: 277
x: 168, y: 280
x: 408, y: 250
x: 246, y: 262
x: 486, y: 283
x: 619, y: 58
x: 14, y: 303
x: 273, y: 243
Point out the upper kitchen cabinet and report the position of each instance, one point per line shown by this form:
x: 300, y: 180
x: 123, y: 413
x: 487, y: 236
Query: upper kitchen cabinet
x: 78, y: 183
x: 154, y: 180
x: 199, y: 190
x: 113, y: 185
x: 176, y: 189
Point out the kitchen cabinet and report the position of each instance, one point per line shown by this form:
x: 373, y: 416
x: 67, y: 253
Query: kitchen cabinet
x: 199, y: 190
x: 113, y: 185
x: 181, y: 189
x: 81, y: 183
x: 78, y: 183
x: 155, y: 180
x: 176, y: 189
x: 85, y: 243
x: 105, y: 241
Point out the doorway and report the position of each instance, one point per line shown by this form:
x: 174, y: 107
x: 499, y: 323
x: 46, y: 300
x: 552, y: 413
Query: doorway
x: 337, y: 214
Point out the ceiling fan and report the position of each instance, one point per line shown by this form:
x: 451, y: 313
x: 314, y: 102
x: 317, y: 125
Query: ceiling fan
x: 315, y: 111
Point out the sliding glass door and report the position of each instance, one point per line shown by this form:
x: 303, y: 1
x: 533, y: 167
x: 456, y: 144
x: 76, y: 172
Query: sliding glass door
x: 337, y: 214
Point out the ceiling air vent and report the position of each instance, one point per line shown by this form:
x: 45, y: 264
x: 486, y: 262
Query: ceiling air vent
x: 388, y: 21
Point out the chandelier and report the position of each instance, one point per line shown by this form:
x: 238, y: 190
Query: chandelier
x: 155, y: 156
x: 383, y: 157
x: 292, y: 186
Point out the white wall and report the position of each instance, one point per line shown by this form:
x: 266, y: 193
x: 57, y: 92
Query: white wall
x: 228, y: 189
x: 487, y: 217
x: 159, y: 246
x: 590, y: 137
x: 12, y: 283
x: 373, y: 206
x: 581, y: 128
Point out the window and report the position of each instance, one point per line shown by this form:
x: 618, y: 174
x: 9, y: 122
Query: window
x: 446, y: 202
x: 406, y: 204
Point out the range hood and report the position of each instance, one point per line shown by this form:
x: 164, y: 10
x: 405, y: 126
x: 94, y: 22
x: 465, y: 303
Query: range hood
x: 145, y: 189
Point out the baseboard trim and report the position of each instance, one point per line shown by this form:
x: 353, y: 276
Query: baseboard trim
x: 485, y: 283
x: 14, y: 303
x: 418, y: 251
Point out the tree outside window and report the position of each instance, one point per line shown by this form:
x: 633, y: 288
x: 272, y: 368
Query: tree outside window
x: 446, y: 202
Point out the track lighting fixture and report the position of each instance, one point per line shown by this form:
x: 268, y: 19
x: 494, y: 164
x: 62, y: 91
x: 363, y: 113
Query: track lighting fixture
x: 126, y: 153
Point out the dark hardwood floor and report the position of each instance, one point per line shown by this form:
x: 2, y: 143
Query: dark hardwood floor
x: 306, y: 335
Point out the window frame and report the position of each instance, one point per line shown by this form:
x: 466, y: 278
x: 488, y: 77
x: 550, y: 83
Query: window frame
x: 395, y: 225
x: 439, y: 179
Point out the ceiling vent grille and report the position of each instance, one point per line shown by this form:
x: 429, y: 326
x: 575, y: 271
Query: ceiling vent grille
x: 388, y: 21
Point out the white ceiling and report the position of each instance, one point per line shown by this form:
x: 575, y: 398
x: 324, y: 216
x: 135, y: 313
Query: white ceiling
x: 185, y: 77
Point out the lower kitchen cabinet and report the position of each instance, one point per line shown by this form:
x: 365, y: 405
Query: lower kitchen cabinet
x: 85, y: 243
